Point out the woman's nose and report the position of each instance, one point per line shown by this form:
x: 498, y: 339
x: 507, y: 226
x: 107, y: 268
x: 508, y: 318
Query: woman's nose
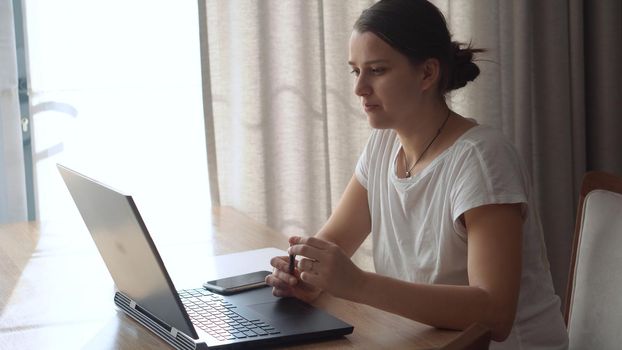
x: 361, y: 86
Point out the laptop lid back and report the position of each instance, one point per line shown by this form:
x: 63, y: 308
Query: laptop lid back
x: 117, y: 229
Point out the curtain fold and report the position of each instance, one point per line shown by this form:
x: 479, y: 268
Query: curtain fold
x: 603, y: 83
x: 12, y: 177
x: 288, y: 129
x: 552, y: 124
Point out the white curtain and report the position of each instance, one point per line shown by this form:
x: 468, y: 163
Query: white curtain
x: 288, y: 129
x: 12, y: 182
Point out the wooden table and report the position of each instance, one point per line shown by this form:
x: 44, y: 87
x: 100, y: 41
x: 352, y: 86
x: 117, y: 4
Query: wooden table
x: 56, y: 293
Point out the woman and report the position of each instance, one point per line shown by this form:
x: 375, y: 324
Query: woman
x: 456, y: 238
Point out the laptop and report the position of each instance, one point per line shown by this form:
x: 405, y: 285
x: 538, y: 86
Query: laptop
x: 192, y: 318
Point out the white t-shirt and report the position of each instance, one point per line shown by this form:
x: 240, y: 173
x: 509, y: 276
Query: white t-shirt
x: 418, y: 236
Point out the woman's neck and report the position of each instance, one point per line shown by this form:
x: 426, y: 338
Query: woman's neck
x: 417, y: 135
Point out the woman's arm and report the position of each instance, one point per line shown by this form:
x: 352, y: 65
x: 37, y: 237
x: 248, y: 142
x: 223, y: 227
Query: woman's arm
x: 346, y: 229
x: 494, y: 268
x: 350, y: 222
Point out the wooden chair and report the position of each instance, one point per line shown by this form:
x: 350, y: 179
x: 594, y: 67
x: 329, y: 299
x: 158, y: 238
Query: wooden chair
x: 475, y: 337
x: 593, y: 310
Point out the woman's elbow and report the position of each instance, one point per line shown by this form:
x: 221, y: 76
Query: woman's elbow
x: 501, y: 325
x: 499, y: 315
x: 501, y: 332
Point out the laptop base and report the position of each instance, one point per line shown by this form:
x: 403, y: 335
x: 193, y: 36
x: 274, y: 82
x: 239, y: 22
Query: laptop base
x: 175, y: 338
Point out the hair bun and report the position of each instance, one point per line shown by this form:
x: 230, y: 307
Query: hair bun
x: 462, y: 68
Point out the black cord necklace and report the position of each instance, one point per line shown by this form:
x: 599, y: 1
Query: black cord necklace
x: 438, y: 132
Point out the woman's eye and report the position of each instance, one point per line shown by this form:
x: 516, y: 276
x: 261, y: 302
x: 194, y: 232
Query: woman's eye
x: 372, y: 71
x: 378, y: 71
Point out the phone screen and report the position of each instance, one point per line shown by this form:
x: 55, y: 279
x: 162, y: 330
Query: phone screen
x: 238, y: 283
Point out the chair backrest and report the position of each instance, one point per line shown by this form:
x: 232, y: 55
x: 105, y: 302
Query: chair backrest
x: 593, y: 312
x: 475, y: 337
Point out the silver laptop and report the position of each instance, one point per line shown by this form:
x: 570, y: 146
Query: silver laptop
x: 186, y: 319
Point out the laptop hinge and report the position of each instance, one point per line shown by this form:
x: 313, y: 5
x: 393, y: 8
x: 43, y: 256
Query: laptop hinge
x: 176, y: 338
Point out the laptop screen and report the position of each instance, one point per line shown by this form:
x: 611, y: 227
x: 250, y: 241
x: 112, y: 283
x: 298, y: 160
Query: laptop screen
x: 118, y: 229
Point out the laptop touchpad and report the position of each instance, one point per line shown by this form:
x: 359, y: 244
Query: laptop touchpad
x: 281, y: 308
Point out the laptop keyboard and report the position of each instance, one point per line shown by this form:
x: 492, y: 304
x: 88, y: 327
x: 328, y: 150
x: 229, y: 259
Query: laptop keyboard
x: 221, y: 319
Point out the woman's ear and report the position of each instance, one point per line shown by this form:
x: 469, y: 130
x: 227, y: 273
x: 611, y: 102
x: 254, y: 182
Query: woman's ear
x: 431, y: 72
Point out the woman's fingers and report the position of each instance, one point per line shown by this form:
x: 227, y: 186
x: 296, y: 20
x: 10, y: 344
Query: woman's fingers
x: 314, y: 252
x: 282, y: 292
x: 308, y: 265
x: 310, y: 278
x: 280, y: 263
x: 310, y: 241
x: 277, y: 282
x: 280, y: 276
x: 286, y: 285
x: 310, y: 247
x: 284, y: 276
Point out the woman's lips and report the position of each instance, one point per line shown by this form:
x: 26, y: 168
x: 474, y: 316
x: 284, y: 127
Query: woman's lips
x: 370, y: 107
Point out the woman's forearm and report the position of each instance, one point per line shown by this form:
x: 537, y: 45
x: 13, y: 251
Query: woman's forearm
x: 442, y: 306
x: 350, y: 222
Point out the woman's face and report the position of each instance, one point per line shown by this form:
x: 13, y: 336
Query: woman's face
x: 388, y: 84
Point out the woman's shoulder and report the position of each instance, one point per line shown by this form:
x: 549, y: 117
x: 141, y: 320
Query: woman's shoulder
x: 485, y: 140
x: 482, y: 135
x: 486, y: 158
x: 487, y: 146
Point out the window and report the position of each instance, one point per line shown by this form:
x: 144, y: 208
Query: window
x: 116, y: 94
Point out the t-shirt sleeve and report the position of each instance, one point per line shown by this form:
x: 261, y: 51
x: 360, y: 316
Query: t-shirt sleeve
x: 362, y: 166
x: 490, y: 172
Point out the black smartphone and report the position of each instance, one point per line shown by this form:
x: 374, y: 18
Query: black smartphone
x: 236, y: 284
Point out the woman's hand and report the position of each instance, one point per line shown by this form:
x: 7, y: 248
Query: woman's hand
x: 325, y: 266
x: 285, y: 284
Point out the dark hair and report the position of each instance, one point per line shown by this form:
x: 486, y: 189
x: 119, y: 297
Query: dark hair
x: 418, y: 30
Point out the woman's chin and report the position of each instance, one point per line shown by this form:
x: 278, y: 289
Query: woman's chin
x: 377, y: 122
